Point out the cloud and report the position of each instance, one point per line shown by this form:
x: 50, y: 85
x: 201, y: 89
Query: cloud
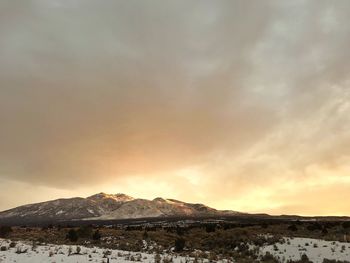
x: 246, y: 95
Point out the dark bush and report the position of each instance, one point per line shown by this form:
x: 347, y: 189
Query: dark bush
x: 72, y: 235
x: 145, y: 235
x: 346, y: 224
x: 305, y: 259
x: 96, y: 235
x: 264, y: 225
x: 293, y: 228
x: 314, y: 227
x: 85, y: 232
x: 210, y: 228
x: 179, y: 244
x: 269, y: 258
x: 298, y: 222
x: 5, y: 231
x: 12, y: 244
x: 179, y: 231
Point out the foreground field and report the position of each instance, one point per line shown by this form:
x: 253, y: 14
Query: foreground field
x: 182, y: 241
x: 287, y: 250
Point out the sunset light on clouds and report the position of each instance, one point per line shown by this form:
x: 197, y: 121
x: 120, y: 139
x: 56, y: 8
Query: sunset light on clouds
x: 241, y: 105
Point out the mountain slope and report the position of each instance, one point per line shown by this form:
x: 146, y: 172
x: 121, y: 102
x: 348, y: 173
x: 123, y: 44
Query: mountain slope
x: 107, y: 207
x: 139, y: 208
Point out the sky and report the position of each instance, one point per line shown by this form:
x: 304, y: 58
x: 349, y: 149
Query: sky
x: 241, y: 105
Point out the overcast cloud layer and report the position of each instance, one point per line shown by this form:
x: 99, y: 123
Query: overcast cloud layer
x: 241, y: 105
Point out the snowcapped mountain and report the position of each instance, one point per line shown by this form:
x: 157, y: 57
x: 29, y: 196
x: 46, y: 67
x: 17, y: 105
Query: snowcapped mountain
x: 107, y: 207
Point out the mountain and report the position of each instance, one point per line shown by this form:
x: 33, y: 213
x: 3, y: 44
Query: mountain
x: 107, y: 207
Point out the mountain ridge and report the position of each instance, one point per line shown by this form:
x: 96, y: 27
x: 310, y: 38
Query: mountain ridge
x: 104, y: 206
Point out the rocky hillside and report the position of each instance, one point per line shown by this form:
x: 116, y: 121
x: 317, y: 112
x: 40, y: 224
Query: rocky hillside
x: 107, y: 207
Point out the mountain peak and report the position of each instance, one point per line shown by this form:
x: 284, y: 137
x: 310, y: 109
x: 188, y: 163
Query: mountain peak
x: 117, y: 197
x: 159, y: 199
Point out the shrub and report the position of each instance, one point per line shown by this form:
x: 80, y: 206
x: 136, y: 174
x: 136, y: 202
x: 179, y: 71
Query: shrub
x: 12, y: 244
x: 264, y: 225
x: 40, y: 240
x: 20, y: 250
x: 145, y: 235
x: 85, y: 232
x: 293, y: 228
x: 96, y: 235
x: 78, y: 249
x: 314, y: 227
x: 3, y: 248
x: 179, y: 244
x: 180, y: 231
x: 72, y: 235
x: 5, y: 231
x: 305, y: 258
x: 269, y: 258
x: 210, y: 228
x: 346, y: 224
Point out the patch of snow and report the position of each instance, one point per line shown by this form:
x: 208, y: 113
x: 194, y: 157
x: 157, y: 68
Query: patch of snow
x: 91, y: 211
x: 317, y: 250
x: 59, y: 212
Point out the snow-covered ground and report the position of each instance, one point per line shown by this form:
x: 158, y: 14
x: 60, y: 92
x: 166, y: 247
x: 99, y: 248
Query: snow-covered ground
x: 290, y: 249
x: 24, y: 252
x: 315, y: 249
